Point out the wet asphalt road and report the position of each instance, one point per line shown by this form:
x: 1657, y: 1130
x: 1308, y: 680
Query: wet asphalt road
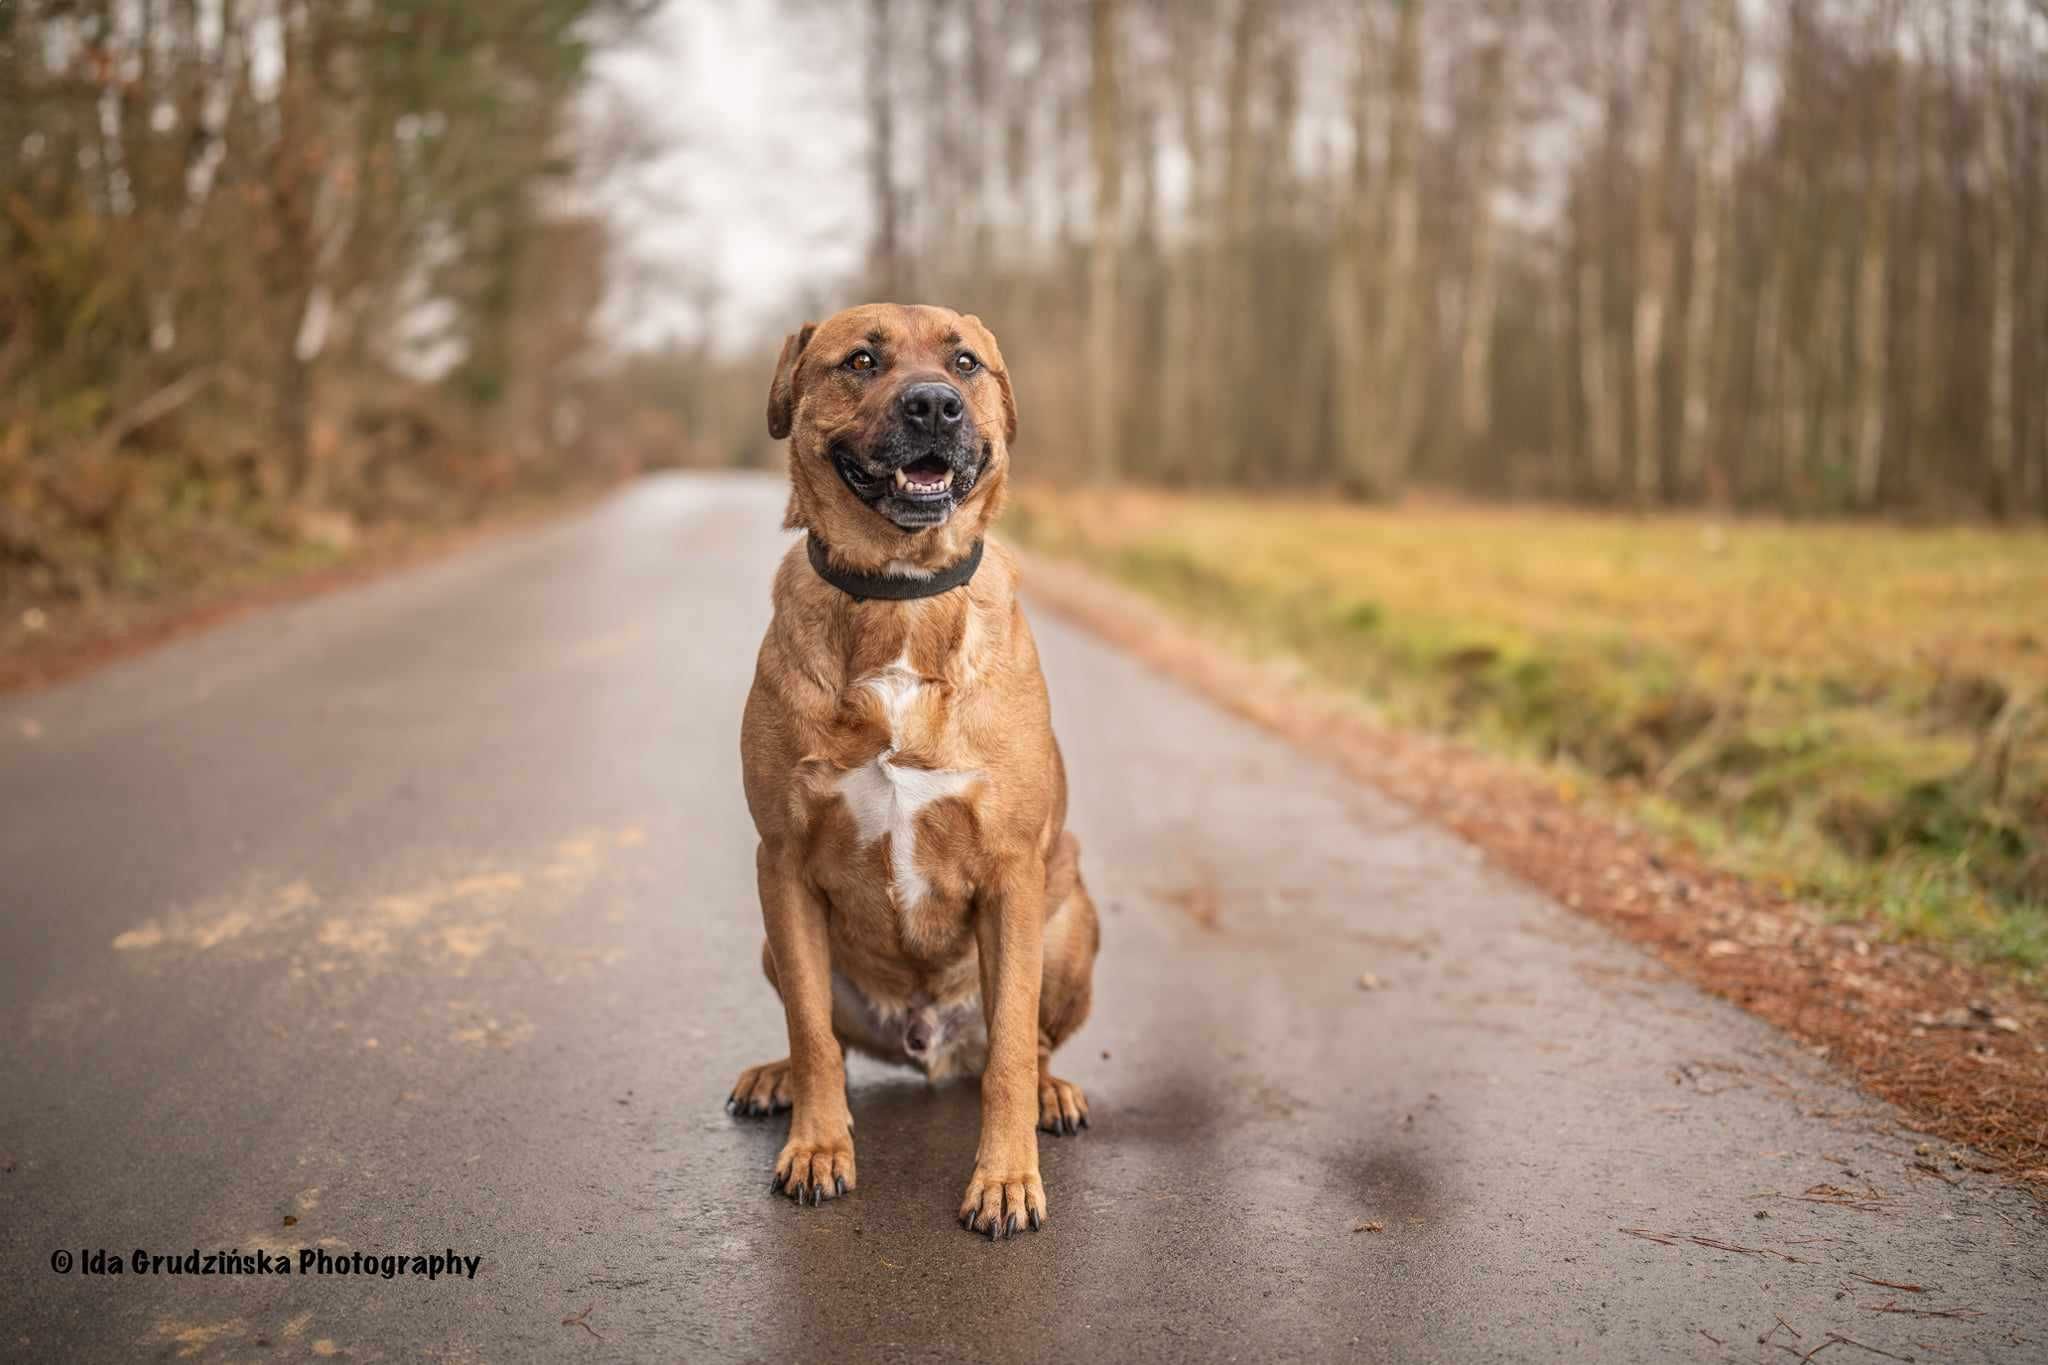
x: 423, y: 915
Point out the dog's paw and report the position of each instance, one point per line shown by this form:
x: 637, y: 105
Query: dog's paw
x: 760, y: 1091
x: 1001, y: 1203
x: 813, y: 1169
x: 1062, y: 1108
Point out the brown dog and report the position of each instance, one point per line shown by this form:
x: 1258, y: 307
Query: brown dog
x: 922, y: 897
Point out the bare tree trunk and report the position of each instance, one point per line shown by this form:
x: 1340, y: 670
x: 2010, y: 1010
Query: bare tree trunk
x: 1793, y: 388
x: 1602, y: 394
x: 1824, y: 368
x: 1873, y: 303
x: 885, y: 252
x: 1798, y: 255
x: 1720, y: 70
x: 1351, y: 389
x: 1105, y: 144
x: 1229, y: 280
x: 1020, y: 140
x: 985, y: 81
x: 1475, y: 361
x: 2001, y: 191
x: 1596, y: 378
x: 943, y: 173
x: 1183, y: 401
x: 1654, y: 247
x: 1562, y: 443
x: 1400, y: 374
x: 295, y: 183
x: 1931, y: 361
x: 1280, y: 230
x: 1769, y: 363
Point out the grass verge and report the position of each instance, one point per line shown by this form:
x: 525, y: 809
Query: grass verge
x: 1852, y: 715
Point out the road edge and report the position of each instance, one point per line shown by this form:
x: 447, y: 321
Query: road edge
x: 1962, y: 1053
x: 157, y: 624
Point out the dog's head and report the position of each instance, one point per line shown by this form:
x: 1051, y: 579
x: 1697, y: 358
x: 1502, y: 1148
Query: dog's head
x: 899, y: 420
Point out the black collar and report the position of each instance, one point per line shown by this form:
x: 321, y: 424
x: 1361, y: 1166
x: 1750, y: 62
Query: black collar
x: 891, y: 587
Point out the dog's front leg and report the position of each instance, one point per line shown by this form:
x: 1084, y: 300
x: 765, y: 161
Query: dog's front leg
x: 817, y: 1161
x: 1006, y: 1192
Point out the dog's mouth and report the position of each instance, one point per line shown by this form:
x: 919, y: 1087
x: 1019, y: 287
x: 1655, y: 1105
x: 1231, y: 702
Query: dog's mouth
x: 914, y: 493
x: 930, y: 477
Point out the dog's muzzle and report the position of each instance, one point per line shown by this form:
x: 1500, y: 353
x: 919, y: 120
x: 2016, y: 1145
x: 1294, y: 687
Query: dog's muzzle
x: 924, y: 464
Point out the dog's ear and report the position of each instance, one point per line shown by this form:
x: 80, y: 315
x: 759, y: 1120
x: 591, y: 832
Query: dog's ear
x: 782, y: 391
x: 992, y: 356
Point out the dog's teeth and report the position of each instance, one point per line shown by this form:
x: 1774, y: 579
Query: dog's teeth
x: 947, y: 482
x: 902, y: 479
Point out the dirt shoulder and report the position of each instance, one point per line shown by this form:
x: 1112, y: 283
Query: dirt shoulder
x: 40, y: 646
x: 1962, y: 1050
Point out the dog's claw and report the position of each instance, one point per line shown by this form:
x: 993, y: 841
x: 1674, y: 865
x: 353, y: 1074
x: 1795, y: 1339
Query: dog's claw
x: 1062, y: 1108
x: 1014, y: 1226
x: 995, y: 1228
x: 1036, y: 1221
x: 839, y: 1184
x: 760, y: 1090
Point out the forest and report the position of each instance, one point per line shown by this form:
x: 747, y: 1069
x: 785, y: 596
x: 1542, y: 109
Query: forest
x: 272, y: 269
x: 1763, y: 255
x: 276, y: 271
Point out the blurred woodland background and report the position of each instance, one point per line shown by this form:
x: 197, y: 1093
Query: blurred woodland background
x: 282, y: 279
x: 271, y: 270
x: 297, y: 265
x: 1765, y: 254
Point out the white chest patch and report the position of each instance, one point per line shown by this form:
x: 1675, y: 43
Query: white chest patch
x: 885, y: 798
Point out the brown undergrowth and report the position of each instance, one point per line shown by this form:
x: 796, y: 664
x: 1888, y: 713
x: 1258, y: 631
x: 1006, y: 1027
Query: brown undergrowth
x: 114, y: 626
x: 1963, y: 1050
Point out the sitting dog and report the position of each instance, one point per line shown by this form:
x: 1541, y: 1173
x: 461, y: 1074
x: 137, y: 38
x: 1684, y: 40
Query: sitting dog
x: 922, y: 897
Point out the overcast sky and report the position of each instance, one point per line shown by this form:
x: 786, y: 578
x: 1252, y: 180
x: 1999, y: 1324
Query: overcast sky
x: 758, y: 192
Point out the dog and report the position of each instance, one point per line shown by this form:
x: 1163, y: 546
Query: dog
x: 922, y: 898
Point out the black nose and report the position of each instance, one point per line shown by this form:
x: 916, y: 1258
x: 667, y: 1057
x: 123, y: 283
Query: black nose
x: 933, y: 409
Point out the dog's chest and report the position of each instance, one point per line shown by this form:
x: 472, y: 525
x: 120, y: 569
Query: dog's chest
x: 889, y: 796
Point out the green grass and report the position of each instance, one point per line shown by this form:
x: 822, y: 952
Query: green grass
x: 1854, y: 713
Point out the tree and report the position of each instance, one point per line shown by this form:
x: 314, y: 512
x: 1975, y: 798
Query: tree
x: 1105, y: 141
x: 1713, y: 210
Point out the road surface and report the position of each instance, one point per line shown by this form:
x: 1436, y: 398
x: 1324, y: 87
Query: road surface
x: 421, y: 917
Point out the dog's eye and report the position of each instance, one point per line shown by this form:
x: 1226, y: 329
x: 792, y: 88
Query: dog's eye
x: 966, y: 362
x: 860, y: 360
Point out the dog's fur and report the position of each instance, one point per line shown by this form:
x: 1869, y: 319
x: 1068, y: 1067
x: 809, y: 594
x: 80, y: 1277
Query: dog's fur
x: 922, y: 897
